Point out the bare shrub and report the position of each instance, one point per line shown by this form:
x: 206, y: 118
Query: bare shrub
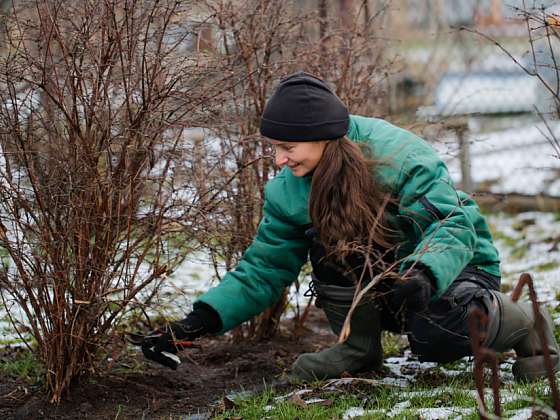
x: 94, y: 100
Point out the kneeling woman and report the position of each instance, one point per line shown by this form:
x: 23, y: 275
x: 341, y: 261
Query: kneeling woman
x: 361, y: 197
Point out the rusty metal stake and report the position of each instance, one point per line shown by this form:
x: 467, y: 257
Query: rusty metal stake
x: 526, y: 279
x: 482, y: 356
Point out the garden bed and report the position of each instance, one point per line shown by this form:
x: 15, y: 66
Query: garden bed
x: 135, y: 388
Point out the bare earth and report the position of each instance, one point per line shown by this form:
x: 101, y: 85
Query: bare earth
x: 197, y: 387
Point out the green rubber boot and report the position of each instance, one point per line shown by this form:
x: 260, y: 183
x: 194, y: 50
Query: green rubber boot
x: 512, y: 326
x: 361, y: 351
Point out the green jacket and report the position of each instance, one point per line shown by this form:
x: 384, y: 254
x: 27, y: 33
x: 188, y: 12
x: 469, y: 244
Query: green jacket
x: 442, y: 227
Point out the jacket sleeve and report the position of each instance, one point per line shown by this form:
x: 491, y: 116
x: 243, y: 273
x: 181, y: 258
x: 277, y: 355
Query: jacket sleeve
x: 445, y: 236
x: 270, y: 264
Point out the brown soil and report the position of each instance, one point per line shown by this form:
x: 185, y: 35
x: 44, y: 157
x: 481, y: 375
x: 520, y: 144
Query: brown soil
x: 133, y: 388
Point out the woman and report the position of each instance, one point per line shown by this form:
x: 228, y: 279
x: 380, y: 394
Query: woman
x: 366, y: 201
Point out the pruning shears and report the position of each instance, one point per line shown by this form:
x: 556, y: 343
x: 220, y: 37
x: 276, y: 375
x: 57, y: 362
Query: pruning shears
x: 148, y: 342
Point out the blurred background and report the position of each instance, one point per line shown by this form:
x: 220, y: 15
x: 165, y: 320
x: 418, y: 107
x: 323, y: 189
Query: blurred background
x: 483, y: 76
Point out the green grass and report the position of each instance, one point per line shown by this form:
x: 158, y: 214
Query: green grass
x: 4, y: 258
x: 551, y: 265
x: 380, y: 400
x: 335, y: 405
x: 22, y: 364
x: 520, y: 251
x: 120, y: 410
x: 507, y: 240
x: 392, y: 344
x: 432, y: 388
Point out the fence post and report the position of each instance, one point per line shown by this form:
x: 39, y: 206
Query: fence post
x: 465, y: 159
x: 460, y: 126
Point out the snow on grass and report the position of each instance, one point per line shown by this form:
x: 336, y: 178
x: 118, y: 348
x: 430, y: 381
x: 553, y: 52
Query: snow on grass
x: 443, y: 402
x: 530, y: 242
x: 422, y: 401
x: 432, y: 413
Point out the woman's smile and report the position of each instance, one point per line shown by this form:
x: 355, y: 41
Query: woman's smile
x: 300, y: 156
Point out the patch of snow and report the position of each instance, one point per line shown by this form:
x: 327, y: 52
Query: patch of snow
x: 521, y: 414
x: 315, y: 400
x: 443, y: 412
x: 398, y: 382
x: 396, y: 360
x: 450, y: 372
x: 401, y: 405
x: 537, y: 232
x: 333, y: 383
x: 406, y: 368
x: 353, y: 412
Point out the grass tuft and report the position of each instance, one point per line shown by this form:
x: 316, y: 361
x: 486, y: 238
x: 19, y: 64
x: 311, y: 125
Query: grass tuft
x: 22, y: 364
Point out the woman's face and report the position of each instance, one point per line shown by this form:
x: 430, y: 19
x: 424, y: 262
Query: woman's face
x: 301, y: 157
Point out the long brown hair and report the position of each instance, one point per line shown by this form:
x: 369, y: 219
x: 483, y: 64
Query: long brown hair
x: 346, y: 201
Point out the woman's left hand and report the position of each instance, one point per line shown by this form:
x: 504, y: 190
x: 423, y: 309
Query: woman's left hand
x: 414, y: 292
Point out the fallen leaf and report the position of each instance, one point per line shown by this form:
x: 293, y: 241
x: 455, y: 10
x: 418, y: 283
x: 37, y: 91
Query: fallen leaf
x: 319, y: 401
x: 296, y: 399
x: 324, y: 403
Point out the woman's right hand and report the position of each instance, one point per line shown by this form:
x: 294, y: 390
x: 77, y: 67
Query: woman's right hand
x: 202, y: 320
x: 188, y: 329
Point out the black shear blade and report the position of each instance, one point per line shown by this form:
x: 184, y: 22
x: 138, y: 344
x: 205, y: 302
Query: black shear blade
x: 134, y: 338
x: 163, y: 358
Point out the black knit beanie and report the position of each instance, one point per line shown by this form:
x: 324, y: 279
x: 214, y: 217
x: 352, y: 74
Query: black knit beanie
x: 303, y: 108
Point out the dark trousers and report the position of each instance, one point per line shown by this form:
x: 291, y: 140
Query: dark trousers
x: 441, y: 333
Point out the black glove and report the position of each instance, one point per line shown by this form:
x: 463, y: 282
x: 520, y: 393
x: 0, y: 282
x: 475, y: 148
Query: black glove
x: 202, y: 320
x: 414, y: 292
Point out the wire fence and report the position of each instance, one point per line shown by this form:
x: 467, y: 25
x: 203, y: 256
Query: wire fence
x: 501, y: 126
x: 518, y: 160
